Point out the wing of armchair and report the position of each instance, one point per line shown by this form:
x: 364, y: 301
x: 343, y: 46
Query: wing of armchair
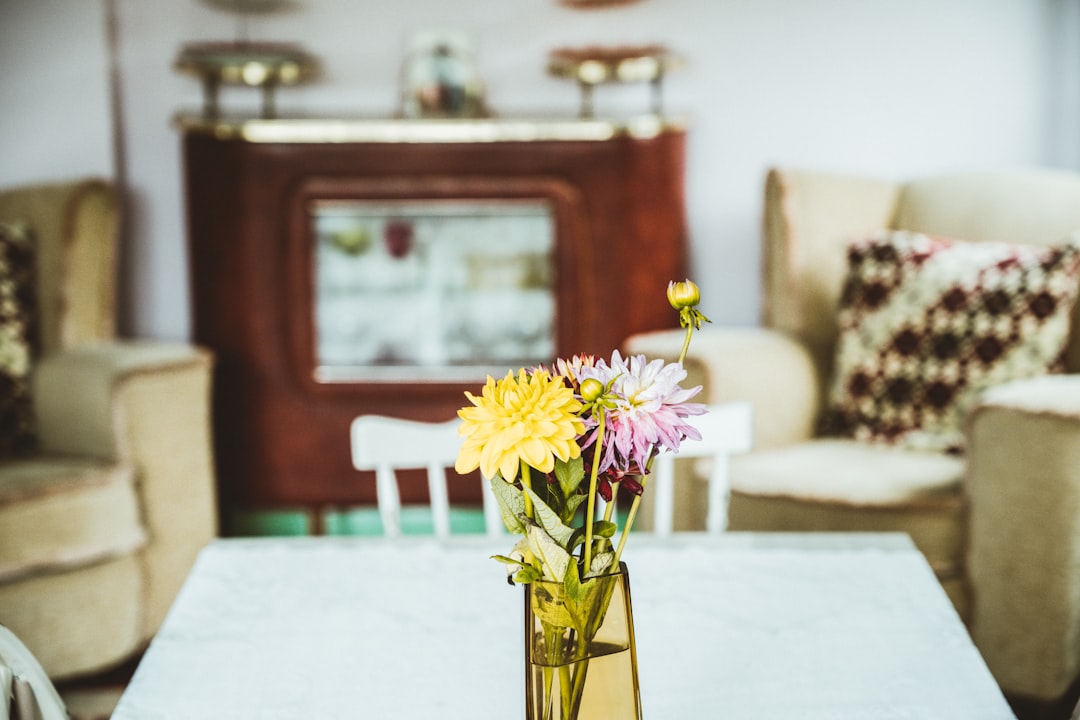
x: 1000, y: 524
x: 101, y: 520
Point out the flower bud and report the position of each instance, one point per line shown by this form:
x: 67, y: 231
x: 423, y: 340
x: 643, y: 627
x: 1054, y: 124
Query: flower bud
x: 683, y: 294
x: 591, y: 390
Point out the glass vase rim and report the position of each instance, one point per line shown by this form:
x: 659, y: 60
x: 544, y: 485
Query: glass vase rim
x: 622, y: 572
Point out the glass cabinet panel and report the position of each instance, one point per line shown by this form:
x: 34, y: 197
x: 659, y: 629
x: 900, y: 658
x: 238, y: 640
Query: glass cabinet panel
x: 432, y: 290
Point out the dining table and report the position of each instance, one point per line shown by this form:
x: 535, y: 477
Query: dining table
x: 761, y: 626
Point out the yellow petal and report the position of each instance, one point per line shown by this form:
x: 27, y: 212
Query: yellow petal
x: 508, y: 466
x: 535, y: 453
x: 468, y: 459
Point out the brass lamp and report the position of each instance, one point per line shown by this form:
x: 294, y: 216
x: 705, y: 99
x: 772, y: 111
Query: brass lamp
x: 263, y: 65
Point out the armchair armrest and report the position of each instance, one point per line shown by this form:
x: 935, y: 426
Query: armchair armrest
x: 147, y: 405
x: 767, y: 368
x: 1024, y: 555
x: 76, y: 393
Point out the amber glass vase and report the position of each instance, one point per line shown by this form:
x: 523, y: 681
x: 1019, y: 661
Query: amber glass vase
x: 580, y: 659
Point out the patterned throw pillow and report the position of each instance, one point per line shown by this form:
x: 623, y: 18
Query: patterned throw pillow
x: 927, y: 323
x: 18, y: 339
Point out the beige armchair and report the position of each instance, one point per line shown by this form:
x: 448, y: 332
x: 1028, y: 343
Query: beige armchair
x: 101, y: 523
x: 1001, y: 524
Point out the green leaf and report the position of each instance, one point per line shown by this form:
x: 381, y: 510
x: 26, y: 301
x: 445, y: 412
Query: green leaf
x: 511, y: 504
x: 601, y: 564
x: 508, y: 560
x: 585, y: 604
x: 551, y: 610
x: 601, y: 529
x: 570, y: 474
x: 604, y: 528
x: 553, y: 558
x: 572, y: 584
x: 571, y: 507
x: 576, y: 539
x: 550, y: 495
x: 527, y: 574
x: 550, y: 521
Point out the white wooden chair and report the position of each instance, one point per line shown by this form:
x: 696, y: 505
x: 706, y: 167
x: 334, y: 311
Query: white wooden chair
x: 725, y: 430
x: 386, y: 444
x: 25, y: 689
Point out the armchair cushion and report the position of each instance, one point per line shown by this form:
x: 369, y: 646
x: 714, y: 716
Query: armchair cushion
x: 846, y: 485
x: 18, y: 330
x: 63, y: 512
x: 927, y: 323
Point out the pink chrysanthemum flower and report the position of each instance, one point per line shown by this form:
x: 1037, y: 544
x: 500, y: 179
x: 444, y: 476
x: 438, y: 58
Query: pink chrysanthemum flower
x: 649, y: 413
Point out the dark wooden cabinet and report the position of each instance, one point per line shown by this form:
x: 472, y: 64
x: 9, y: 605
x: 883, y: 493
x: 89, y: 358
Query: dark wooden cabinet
x: 616, y: 199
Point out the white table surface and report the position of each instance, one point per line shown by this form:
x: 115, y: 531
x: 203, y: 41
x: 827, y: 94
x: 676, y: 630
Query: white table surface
x: 734, y: 626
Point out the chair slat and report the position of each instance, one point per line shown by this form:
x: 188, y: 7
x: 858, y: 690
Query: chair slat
x: 662, y: 485
x: 440, y: 501
x: 388, y: 499
x: 725, y: 431
x: 386, y: 444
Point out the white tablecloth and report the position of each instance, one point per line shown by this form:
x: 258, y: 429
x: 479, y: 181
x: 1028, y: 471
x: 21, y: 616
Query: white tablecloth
x: 740, y: 626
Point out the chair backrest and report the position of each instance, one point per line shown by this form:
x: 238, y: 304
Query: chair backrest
x: 725, y: 430
x: 386, y: 444
x: 75, y: 228
x: 25, y: 688
x: 810, y: 218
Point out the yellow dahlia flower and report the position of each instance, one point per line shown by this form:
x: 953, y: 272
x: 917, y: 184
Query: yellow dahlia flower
x: 531, y: 418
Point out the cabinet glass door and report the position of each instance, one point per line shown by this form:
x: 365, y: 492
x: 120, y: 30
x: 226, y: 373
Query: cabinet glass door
x: 437, y: 290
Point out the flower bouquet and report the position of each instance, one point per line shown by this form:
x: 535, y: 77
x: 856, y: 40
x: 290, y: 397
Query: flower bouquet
x: 553, y: 443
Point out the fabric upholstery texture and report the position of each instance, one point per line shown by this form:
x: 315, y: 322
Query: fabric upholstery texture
x: 101, y: 523
x: 1024, y: 561
x: 846, y: 485
x: 86, y: 617
x: 1001, y: 522
x: 927, y: 323
x: 64, y: 512
x: 18, y: 339
x: 74, y: 226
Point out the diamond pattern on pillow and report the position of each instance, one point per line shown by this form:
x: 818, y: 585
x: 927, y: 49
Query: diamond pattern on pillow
x: 18, y: 340
x: 927, y: 323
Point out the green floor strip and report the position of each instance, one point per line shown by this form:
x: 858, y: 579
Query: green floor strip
x: 415, y: 520
x: 270, y: 523
x: 365, y: 521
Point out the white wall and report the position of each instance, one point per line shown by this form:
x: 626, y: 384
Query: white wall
x: 54, y: 92
x: 1063, y: 48
x: 871, y: 86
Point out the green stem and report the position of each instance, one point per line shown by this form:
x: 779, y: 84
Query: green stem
x: 686, y: 340
x: 549, y: 671
x: 610, y: 509
x: 578, y: 689
x: 565, y: 697
x: 629, y: 523
x: 595, y: 614
x: 633, y: 512
x: 590, y: 511
x: 526, y: 480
